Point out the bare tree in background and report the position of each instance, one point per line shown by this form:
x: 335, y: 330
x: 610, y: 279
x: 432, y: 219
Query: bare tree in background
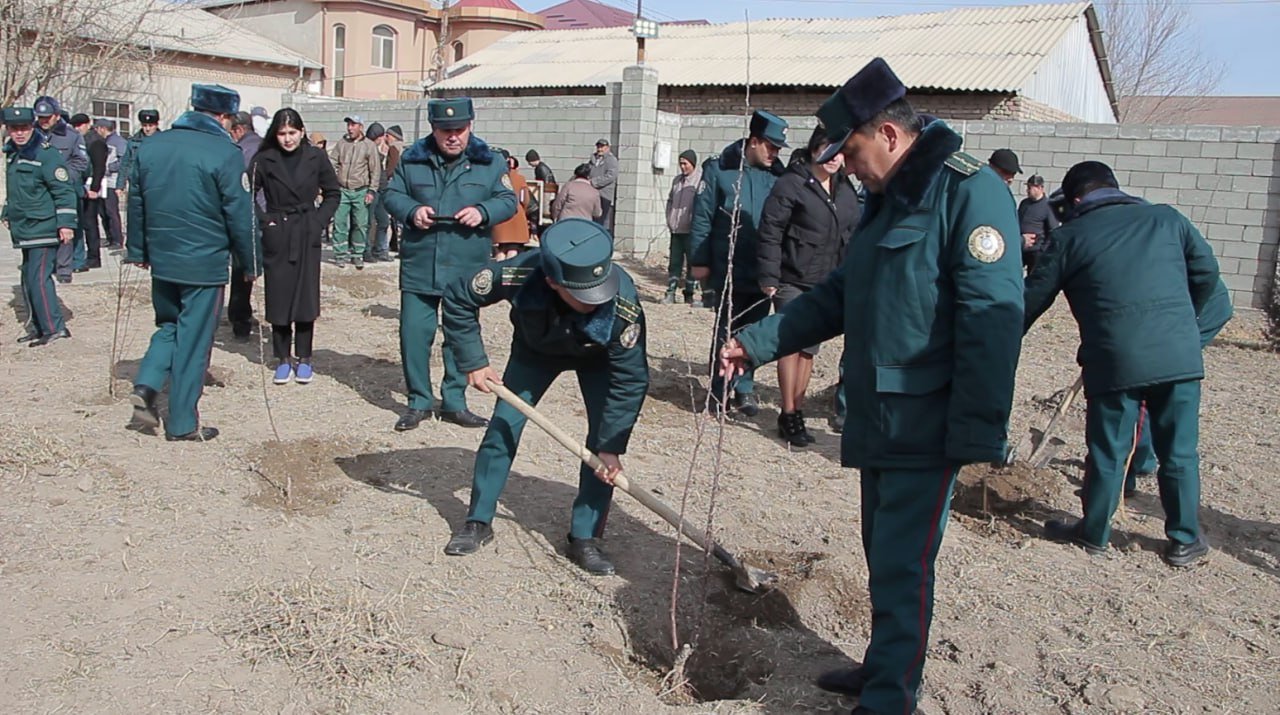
x: 58, y: 46
x: 1156, y: 56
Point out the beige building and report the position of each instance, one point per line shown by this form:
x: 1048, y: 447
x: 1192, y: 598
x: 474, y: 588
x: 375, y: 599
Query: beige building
x: 379, y: 49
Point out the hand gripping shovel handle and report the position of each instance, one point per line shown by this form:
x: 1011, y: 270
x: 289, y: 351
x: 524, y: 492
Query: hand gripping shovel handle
x: 748, y: 579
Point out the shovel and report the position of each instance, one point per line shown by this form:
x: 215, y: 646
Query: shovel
x: 746, y: 578
x: 1043, y: 451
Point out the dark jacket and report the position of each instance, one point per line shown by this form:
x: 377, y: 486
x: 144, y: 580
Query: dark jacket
x: 189, y: 204
x: 292, y: 227
x: 713, y: 217
x: 543, y: 173
x: 1136, y: 276
x: 70, y: 145
x: 40, y: 197
x: 1036, y: 217
x: 249, y: 145
x: 97, y: 148
x: 431, y: 259
x: 804, y: 231
x: 551, y: 335
x: 928, y: 300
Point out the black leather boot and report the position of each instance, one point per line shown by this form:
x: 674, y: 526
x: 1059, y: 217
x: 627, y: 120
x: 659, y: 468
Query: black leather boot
x: 201, y: 434
x: 464, y: 418
x: 1068, y: 531
x: 469, y: 538
x: 145, y: 415
x: 411, y: 420
x: 588, y: 554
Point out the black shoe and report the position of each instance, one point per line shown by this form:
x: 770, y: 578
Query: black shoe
x: 588, y: 554
x: 242, y: 330
x: 464, y: 418
x: 411, y: 420
x: 804, y: 429
x: 849, y: 681
x: 469, y: 538
x: 359, y: 265
x: 64, y: 279
x: 81, y: 269
x: 29, y: 336
x: 1183, y: 555
x: 836, y: 424
x: 1068, y: 531
x: 46, y: 339
x: 145, y: 414
x: 791, y: 429
x: 201, y: 434
x: 746, y: 403
x: 669, y: 298
x: 688, y: 299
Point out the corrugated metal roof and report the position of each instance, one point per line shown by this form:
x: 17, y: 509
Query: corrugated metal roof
x: 974, y: 49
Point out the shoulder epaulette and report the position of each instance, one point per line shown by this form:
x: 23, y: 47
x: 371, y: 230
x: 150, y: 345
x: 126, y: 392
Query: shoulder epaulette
x: 963, y: 163
x: 515, y: 275
x: 627, y: 310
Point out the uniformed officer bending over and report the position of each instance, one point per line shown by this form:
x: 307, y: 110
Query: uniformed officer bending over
x: 189, y: 208
x: 929, y: 299
x: 1136, y: 276
x: 573, y: 310
x: 40, y: 211
x: 713, y: 225
x: 449, y: 190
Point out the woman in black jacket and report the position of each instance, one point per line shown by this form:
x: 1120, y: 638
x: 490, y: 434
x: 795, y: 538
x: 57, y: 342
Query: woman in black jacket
x: 288, y: 174
x: 805, y: 228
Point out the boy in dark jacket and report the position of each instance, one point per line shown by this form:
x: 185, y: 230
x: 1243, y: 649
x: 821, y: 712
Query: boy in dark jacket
x: 40, y: 212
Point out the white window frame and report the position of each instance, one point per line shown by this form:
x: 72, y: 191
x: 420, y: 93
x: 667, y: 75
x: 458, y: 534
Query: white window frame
x: 384, y: 47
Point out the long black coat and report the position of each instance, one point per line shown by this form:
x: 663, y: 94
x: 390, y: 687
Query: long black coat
x: 804, y: 231
x: 292, y: 226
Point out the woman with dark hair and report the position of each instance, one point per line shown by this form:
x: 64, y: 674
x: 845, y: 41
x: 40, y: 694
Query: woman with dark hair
x: 805, y: 227
x: 290, y: 172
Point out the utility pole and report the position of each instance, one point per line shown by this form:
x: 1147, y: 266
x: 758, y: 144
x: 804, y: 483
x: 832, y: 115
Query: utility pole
x: 442, y: 44
x: 639, y: 36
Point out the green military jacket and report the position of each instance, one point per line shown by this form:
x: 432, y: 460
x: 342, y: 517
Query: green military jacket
x: 432, y: 259
x: 1136, y: 276
x: 549, y: 333
x: 1215, y: 314
x: 713, y: 211
x: 131, y: 154
x: 929, y: 299
x: 41, y: 196
x: 189, y: 205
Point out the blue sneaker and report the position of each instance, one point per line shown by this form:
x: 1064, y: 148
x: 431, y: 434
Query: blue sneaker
x: 284, y: 373
x: 303, y: 374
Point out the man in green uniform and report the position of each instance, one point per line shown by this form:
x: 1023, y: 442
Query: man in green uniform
x: 929, y: 300
x: 189, y: 208
x: 574, y: 311
x: 40, y: 211
x: 148, y: 125
x: 714, y: 220
x: 1136, y: 276
x: 449, y: 190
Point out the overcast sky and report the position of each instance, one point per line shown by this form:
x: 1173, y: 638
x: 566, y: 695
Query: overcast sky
x: 1240, y: 33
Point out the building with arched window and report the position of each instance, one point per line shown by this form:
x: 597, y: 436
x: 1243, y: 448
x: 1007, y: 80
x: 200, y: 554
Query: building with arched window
x: 379, y: 49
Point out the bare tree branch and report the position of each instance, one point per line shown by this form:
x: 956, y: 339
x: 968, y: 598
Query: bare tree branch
x: 1156, y: 56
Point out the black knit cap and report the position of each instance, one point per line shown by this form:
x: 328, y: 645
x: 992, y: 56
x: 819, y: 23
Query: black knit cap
x: 1084, y: 174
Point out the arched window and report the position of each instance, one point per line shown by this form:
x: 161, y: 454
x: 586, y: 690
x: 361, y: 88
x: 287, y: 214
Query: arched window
x: 384, y: 47
x: 339, y: 59
x: 458, y: 52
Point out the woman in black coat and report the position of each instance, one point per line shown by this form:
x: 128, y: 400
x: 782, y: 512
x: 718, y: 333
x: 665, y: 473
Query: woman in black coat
x: 805, y: 227
x: 289, y: 173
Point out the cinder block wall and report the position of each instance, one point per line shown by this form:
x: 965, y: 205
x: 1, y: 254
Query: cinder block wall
x: 1227, y: 180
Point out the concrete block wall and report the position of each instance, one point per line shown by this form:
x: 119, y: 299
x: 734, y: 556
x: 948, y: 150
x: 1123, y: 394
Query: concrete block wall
x: 1225, y: 179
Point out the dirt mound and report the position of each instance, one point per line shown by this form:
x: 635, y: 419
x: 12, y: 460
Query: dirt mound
x: 297, y: 476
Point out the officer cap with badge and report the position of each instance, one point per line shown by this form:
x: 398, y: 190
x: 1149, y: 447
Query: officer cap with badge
x: 770, y: 127
x: 18, y: 116
x: 149, y: 116
x: 578, y: 254
x: 47, y: 107
x: 215, y: 98
x: 453, y: 113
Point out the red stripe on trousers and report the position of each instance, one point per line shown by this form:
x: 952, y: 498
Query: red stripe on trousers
x: 926, y: 568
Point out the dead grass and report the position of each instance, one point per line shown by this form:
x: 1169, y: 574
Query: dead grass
x: 333, y: 637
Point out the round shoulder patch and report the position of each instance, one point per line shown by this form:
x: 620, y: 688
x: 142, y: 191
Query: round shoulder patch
x: 986, y: 244
x: 482, y: 282
x: 506, y: 181
x: 61, y: 174
x: 630, y: 336
x: 244, y: 181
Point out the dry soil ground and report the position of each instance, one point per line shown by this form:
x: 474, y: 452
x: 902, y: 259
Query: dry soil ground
x: 299, y: 569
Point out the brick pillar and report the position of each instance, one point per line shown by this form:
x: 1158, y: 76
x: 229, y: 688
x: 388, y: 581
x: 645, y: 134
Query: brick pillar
x: 640, y: 220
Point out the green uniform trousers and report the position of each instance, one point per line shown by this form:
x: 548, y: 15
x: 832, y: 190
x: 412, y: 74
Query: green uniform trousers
x: 350, y: 225
x: 904, y: 514
x: 750, y: 308
x: 1111, y: 429
x: 186, y: 317
x: 1144, y: 455
x: 529, y: 377
x: 678, y: 262
x: 39, y: 291
x: 419, y: 319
